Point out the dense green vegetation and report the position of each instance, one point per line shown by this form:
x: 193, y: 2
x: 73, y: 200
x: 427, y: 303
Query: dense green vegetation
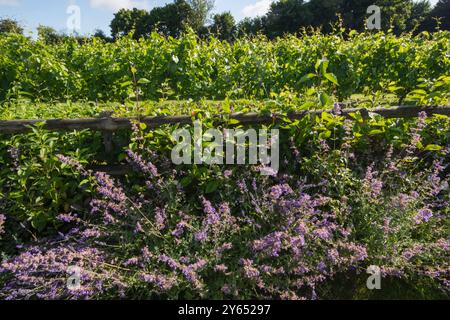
x: 250, y: 68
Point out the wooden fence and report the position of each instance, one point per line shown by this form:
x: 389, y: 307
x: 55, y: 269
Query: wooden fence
x: 108, y: 124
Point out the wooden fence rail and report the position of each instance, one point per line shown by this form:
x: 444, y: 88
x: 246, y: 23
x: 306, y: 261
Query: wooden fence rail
x: 107, y: 123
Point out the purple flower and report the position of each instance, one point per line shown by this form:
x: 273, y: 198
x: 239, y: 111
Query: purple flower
x: 162, y: 282
x: 131, y: 262
x: 67, y: 217
x: 169, y: 261
x: 424, y: 215
x: 207, y: 207
x: 322, y: 233
x: 250, y: 271
x: 138, y: 228
x: 337, y: 109
x: 179, y: 230
x: 224, y: 247
x: 221, y: 268
x: 70, y: 162
x: 279, y: 190
x: 227, y: 173
x: 160, y: 218
x: 145, y: 167
x: 226, y: 289
x: 372, y: 185
x: 201, y: 236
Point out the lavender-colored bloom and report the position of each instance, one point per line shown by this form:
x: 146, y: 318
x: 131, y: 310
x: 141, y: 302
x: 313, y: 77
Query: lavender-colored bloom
x: 337, y: 109
x: 226, y: 289
x: 373, y: 185
x: 131, y: 262
x: 249, y: 270
x: 272, y: 244
x: 14, y: 153
x: 424, y: 215
x: 224, y: 247
x: 160, y: 218
x: 376, y: 186
x: 221, y: 268
x: 107, y: 188
x: 70, y: 162
x: 279, y: 190
x: 145, y: 167
x: 91, y: 233
x: 207, y: 207
x: 41, y: 272
x: 164, y: 283
x: 179, y: 230
x: 324, y: 145
x: 146, y: 254
x: 67, y: 217
x: 322, y: 233
x: 138, y: 228
x: 201, y: 236
x: 169, y: 261
x: 224, y: 209
x: 227, y: 173
x: 333, y: 255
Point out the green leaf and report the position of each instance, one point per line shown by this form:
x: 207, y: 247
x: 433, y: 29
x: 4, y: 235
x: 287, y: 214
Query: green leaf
x: 307, y: 77
x: 186, y: 181
x: 433, y: 147
x: 126, y: 84
x: 143, y: 81
x: 325, y: 99
x: 331, y: 77
x: 211, y: 186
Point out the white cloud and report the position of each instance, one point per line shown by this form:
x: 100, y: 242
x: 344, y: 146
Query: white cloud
x: 259, y: 8
x: 115, y: 5
x: 10, y: 3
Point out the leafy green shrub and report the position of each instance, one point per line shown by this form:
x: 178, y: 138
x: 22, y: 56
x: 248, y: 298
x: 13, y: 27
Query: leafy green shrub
x: 333, y: 210
x: 190, y: 68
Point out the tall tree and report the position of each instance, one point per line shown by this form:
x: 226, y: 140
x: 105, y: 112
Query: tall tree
x: 99, y: 33
x: 249, y: 26
x: 201, y: 12
x: 10, y: 26
x: 420, y: 12
x: 287, y: 16
x: 170, y: 20
x: 394, y: 14
x: 126, y: 21
x: 324, y: 12
x: 442, y: 12
x: 354, y: 13
x: 48, y: 35
x: 224, y: 26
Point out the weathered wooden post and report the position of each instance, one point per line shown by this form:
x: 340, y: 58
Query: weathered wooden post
x: 108, y: 127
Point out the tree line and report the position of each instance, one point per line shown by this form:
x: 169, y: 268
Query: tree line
x: 283, y: 17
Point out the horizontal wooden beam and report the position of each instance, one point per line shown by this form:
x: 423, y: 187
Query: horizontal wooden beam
x: 113, y: 124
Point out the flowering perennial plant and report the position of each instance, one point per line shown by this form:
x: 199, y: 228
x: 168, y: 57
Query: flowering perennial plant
x: 328, y: 215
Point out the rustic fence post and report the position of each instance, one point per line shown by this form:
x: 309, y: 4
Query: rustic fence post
x: 107, y: 133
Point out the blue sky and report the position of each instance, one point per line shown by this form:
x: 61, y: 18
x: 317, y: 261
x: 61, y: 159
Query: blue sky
x: 97, y: 14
